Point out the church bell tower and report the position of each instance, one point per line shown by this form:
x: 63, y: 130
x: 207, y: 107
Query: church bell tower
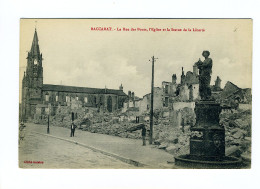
x: 32, y: 80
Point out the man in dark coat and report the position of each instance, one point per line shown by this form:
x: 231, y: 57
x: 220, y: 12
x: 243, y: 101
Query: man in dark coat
x: 144, y: 135
x: 72, y: 129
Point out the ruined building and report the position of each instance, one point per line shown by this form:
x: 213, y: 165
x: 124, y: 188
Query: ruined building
x: 145, y: 103
x: 132, y: 103
x: 217, y: 86
x: 186, y: 90
x: 46, y: 98
x: 232, y: 92
x: 169, y: 90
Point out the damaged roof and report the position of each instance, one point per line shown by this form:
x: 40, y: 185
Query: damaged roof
x: 229, y: 89
x: 72, y: 89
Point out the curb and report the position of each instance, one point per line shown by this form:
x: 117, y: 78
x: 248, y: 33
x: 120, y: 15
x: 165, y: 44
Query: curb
x: 121, y: 158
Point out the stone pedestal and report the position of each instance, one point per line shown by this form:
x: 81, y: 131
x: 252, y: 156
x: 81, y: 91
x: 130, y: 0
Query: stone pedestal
x: 210, y: 144
x: 207, y: 137
x: 207, y: 141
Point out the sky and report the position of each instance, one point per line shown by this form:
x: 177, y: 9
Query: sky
x: 75, y: 55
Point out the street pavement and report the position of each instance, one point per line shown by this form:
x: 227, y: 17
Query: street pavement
x: 39, y: 151
x: 120, y: 148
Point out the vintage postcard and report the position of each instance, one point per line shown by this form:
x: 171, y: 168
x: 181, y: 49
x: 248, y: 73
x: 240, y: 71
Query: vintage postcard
x: 135, y: 93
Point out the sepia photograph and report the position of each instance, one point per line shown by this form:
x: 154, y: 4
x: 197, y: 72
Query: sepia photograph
x: 135, y: 93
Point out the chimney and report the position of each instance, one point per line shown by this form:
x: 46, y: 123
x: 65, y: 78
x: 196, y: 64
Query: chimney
x: 218, y: 83
x: 133, y: 95
x: 182, y: 76
x: 174, y: 79
x: 121, y: 87
x: 129, y: 94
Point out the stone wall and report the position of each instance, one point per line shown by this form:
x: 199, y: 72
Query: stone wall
x: 64, y: 98
x: 182, y: 112
x: 145, y: 103
x: 194, y: 94
x: 184, y: 94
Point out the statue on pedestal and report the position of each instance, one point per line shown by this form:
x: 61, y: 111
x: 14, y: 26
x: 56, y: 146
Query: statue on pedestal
x: 207, y: 140
x: 205, y: 70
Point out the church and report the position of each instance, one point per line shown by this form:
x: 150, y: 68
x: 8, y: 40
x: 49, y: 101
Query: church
x: 44, y: 99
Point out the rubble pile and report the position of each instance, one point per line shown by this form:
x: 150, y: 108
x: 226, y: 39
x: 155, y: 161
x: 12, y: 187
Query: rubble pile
x: 43, y: 119
x: 167, y: 134
x: 90, y: 119
x: 171, y: 138
x: 62, y: 117
x: 237, y: 124
x: 110, y: 124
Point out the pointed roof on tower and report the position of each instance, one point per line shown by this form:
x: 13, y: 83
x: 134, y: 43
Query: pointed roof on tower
x: 35, y: 50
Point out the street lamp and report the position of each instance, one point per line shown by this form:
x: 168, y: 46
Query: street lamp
x: 48, y: 128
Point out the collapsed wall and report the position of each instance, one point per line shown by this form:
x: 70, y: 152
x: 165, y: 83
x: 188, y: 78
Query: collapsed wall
x: 182, y: 113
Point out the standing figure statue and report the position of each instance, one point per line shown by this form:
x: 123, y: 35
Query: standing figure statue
x: 205, y: 70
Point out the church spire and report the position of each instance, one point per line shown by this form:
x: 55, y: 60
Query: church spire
x: 35, y: 50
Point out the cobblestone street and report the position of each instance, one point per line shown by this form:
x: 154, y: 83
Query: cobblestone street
x: 58, y: 150
x: 55, y: 153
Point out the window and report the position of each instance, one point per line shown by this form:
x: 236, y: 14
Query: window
x: 47, y: 97
x: 57, y: 98
x: 77, y: 98
x: 67, y: 98
x: 86, y: 99
x: 166, y: 89
x: 166, y: 101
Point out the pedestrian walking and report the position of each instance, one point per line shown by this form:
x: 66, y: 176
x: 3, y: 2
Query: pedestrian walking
x: 144, y: 135
x: 72, y: 129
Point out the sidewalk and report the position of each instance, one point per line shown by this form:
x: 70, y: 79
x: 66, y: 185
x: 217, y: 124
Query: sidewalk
x: 122, y: 148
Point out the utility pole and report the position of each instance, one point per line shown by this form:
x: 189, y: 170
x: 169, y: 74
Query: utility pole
x: 151, y: 108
